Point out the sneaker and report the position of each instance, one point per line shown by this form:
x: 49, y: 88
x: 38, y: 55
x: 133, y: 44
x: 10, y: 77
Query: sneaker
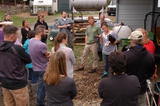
x: 79, y: 69
x: 105, y: 74
x: 100, y: 59
x: 92, y: 71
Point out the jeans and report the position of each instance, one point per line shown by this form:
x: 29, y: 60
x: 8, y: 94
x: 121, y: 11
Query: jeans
x: 41, y: 89
x: 106, y: 63
x: 32, y: 76
x: 99, y: 47
x: 70, y: 42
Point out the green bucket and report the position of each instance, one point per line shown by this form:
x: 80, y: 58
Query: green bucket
x: 151, y: 35
x: 124, y: 42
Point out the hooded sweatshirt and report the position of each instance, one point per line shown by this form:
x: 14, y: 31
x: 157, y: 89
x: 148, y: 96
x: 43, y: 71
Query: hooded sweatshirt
x: 13, y: 72
x: 140, y: 63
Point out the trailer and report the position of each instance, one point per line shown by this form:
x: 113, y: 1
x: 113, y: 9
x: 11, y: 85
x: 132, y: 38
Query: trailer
x: 41, y: 6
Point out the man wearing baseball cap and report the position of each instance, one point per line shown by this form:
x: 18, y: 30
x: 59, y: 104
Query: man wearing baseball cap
x: 140, y: 63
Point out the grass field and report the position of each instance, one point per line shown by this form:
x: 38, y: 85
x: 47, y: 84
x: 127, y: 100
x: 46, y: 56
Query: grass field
x: 17, y: 19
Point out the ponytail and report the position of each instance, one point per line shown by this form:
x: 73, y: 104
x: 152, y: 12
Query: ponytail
x: 56, y: 44
x: 58, y: 39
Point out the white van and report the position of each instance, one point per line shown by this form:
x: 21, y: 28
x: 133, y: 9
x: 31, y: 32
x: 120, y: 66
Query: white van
x: 111, y: 9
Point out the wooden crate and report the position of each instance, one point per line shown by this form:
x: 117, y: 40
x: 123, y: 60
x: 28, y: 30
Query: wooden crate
x: 79, y: 32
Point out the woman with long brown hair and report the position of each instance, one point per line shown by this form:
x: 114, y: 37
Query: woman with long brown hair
x: 60, y: 44
x: 109, y: 45
x: 60, y: 88
x: 24, y: 30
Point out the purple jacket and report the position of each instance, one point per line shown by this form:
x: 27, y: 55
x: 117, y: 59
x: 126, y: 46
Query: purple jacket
x: 1, y: 36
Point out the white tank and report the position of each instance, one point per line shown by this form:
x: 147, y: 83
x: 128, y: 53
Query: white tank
x: 88, y: 5
x: 123, y: 31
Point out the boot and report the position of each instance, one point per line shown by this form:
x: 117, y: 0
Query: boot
x: 33, y: 96
x: 100, y: 55
x: 34, y: 89
x: 29, y: 85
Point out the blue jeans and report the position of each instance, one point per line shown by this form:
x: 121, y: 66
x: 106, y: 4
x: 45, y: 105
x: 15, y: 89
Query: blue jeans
x: 41, y: 89
x: 32, y: 76
x: 70, y: 42
x: 106, y: 63
x: 99, y: 47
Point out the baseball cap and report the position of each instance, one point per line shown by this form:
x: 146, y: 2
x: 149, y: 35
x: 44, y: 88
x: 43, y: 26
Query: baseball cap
x: 136, y: 35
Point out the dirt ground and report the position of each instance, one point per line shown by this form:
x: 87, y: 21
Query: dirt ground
x: 87, y: 83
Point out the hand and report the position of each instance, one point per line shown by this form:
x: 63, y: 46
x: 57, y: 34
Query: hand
x: 99, y: 36
x: 48, y: 54
x: 107, y: 43
x: 118, y: 24
x: 68, y: 25
x: 154, y: 77
x: 64, y: 26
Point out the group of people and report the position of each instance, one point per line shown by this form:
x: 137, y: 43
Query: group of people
x: 129, y: 69
x: 97, y: 41
x: 126, y: 85
x: 33, y: 54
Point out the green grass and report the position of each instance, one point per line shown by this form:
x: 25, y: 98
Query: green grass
x: 17, y: 20
x: 1, y: 16
x: 50, y: 45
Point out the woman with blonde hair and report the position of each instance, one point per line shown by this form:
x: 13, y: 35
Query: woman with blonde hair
x: 60, y: 88
x: 60, y: 44
x: 147, y: 43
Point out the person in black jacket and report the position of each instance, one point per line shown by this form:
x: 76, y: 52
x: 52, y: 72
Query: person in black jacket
x: 13, y: 72
x: 119, y: 89
x: 140, y: 63
x: 41, y: 21
x: 24, y: 30
x: 7, y: 17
